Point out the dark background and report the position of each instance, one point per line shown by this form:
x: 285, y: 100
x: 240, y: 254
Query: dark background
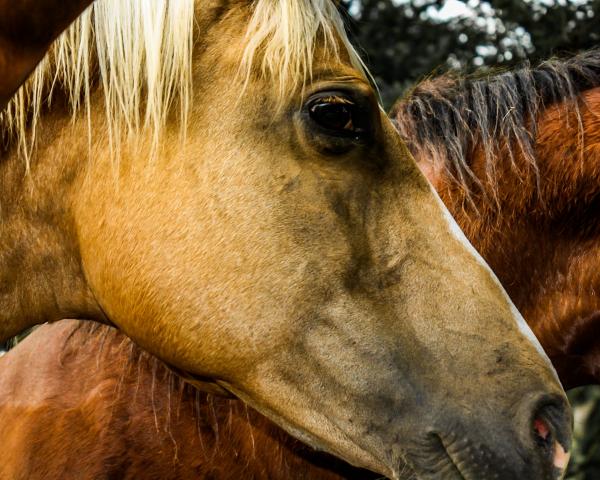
x: 405, y: 41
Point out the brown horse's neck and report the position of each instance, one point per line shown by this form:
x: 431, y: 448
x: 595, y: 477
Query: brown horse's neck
x: 27, y: 27
x: 41, y: 277
x: 541, y: 234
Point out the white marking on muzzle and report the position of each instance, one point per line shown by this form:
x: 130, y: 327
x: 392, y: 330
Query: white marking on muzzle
x: 561, y: 458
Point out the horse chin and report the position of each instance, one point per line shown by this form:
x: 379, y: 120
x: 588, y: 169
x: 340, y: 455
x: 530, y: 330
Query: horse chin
x: 355, y: 454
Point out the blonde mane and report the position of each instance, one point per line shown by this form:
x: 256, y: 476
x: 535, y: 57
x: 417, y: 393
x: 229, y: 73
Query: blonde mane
x: 140, y: 54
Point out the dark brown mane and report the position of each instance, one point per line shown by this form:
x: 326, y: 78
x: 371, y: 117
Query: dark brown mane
x: 442, y: 119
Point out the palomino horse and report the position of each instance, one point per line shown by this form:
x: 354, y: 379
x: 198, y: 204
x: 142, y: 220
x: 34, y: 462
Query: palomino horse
x: 236, y: 442
x: 270, y: 237
x: 27, y: 28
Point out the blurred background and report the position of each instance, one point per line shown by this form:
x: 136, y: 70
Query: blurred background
x: 404, y: 41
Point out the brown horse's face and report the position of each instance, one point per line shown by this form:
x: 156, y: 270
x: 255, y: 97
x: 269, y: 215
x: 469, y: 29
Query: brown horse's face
x: 296, y: 256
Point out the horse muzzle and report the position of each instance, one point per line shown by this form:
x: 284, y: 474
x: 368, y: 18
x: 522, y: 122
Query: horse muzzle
x: 535, y: 447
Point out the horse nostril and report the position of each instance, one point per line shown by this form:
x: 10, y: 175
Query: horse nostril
x: 550, y: 428
x: 542, y: 432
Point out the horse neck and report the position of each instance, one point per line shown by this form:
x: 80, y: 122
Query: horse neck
x: 539, y: 233
x: 41, y: 277
x: 25, y: 34
x: 95, y: 371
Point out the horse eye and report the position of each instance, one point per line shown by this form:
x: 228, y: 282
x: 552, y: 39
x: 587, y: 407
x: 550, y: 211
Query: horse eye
x: 339, y: 114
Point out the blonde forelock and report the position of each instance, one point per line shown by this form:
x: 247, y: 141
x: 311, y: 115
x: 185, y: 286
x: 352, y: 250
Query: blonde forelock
x: 140, y: 53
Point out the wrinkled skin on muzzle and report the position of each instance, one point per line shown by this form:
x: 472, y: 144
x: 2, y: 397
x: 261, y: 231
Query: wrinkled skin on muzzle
x: 292, y: 253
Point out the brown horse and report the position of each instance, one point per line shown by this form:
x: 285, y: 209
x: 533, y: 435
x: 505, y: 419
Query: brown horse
x: 272, y: 238
x: 27, y: 28
x: 516, y: 158
x: 131, y: 418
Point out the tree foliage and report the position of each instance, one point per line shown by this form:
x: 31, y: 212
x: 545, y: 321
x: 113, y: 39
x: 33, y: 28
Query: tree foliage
x: 405, y: 40
x: 585, y: 457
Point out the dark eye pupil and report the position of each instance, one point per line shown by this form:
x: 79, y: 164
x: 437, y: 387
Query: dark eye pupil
x: 336, y: 116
